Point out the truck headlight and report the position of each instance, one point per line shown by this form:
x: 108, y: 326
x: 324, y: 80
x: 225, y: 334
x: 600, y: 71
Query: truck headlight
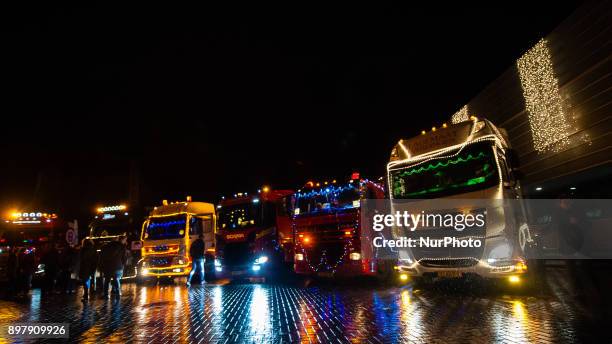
x: 217, y: 263
x: 355, y: 256
x: 145, y: 271
x: 261, y: 260
x: 299, y: 257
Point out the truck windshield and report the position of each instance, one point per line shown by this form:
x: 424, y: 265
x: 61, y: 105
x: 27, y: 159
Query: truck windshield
x: 167, y: 227
x: 98, y: 230
x: 472, y: 169
x: 327, y: 198
x: 240, y: 216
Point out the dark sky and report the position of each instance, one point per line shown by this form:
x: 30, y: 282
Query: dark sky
x: 209, y: 101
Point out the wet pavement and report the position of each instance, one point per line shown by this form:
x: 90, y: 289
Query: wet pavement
x: 285, y: 313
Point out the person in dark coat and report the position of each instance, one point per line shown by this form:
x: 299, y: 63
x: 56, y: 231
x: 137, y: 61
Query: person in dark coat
x: 196, y: 251
x: 113, y: 257
x: 63, y: 278
x: 12, y: 271
x: 88, y: 265
x: 27, y: 267
x: 50, y: 260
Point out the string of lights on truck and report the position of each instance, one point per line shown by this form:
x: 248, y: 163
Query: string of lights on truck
x: 347, y: 248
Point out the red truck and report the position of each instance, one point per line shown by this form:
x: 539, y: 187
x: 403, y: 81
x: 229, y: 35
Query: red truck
x: 254, y: 235
x: 327, y: 228
x: 32, y: 233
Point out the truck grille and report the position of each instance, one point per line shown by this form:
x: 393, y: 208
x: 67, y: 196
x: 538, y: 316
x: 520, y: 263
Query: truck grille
x: 237, y: 254
x: 160, y: 261
x: 448, y: 262
x: 432, y: 255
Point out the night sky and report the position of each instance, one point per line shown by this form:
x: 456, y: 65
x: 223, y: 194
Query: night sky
x: 210, y: 101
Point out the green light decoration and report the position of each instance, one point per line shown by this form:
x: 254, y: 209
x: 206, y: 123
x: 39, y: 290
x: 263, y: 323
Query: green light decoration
x: 486, y: 168
x: 470, y: 157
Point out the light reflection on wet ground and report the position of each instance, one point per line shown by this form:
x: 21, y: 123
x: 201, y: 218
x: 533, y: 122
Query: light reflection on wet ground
x: 259, y: 313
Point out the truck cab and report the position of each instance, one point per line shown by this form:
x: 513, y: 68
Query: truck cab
x: 110, y: 222
x: 34, y: 233
x: 167, y: 235
x: 254, y: 237
x: 457, y: 169
x: 328, y: 229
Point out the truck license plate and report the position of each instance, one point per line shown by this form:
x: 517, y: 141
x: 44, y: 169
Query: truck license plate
x: 449, y: 274
x: 237, y: 273
x: 325, y: 274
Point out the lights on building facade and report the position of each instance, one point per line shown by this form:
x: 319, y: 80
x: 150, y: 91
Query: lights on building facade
x: 548, y: 122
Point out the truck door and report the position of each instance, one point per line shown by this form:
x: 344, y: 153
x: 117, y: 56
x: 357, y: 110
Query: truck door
x: 202, y: 224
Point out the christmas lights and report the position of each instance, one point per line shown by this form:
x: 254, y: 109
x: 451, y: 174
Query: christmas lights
x: 166, y: 224
x: 549, y: 125
x: 461, y: 115
x: 111, y: 208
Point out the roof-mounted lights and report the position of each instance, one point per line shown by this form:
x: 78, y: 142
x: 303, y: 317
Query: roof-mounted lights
x: 112, y: 208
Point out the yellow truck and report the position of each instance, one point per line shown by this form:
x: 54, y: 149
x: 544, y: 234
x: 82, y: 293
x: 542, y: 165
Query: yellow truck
x: 167, y: 235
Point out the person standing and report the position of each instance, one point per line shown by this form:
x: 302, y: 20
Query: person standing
x: 63, y: 278
x: 113, y: 257
x: 196, y: 251
x: 50, y: 260
x: 27, y: 267
x: 12, y: 272
x: 87, y: 266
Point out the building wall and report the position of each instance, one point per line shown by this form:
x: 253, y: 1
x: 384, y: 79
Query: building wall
x: 556, y: 101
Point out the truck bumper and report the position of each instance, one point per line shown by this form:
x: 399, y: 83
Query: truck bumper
x: 480, y: 268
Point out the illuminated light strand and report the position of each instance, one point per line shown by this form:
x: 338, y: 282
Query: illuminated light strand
x: 323, y: 261
x: 111, y: 208
x: 330, y: 190
x: 461, y: 115
x: 476, y: 127
x: 166, y: 224
x: 438, y: 154
x: 442, y: 164
x: 549, y: 125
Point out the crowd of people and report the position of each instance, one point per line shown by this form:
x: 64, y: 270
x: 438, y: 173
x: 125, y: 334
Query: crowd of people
x: 64, y: 267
